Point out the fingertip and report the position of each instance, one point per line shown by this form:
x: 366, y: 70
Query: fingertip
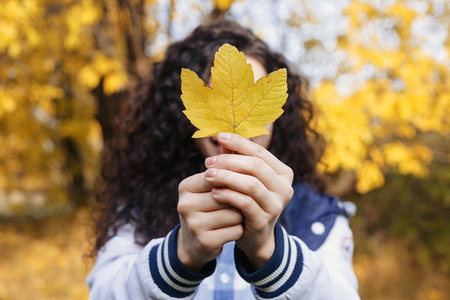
x: 224, y: 136
x: 228, y: 140
x: 216, y: 191
x: 210, y: 161
x: 210, y: 173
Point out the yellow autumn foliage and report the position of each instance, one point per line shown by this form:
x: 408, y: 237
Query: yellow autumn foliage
x: 113, y: 72
x: 344, y: 126
x: 368, y: 177
x: 223, y: 4
x: 48, y: 67
x: 378, y: 126
x: 51, y: 61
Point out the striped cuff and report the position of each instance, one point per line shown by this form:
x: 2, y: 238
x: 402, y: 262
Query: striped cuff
x: 168, y: 272
x: 282, y: 270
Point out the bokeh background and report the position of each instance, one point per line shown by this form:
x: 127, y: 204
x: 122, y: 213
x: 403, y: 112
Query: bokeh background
x: 379, y: 72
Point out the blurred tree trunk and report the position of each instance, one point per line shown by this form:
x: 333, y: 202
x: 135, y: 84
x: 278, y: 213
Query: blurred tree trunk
x: 108, y: 108
x: 73, y: 160
x: 131, y: 22
x: 78, y: 193
x: 219, y: 11
x: 121, y: 34
x: 217, y: 14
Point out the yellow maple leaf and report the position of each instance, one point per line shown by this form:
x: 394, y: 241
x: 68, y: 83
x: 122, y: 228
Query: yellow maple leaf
x: 235, y: 103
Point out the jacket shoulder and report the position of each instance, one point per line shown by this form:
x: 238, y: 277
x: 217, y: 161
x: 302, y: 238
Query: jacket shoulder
x: 311, y: 216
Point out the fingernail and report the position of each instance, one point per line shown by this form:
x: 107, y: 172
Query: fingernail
x: 211, y: 173
x: 224, y: 135
x: 210, y: 160
x: 216, y: 191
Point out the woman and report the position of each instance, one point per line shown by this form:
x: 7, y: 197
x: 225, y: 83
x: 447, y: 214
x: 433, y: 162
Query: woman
x: 185, y: 218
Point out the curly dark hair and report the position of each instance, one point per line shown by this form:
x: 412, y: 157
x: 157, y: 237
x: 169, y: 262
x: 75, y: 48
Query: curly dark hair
x: 152, y: 150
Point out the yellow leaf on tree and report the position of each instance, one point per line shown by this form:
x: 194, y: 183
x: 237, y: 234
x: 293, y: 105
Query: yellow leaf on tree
x: 368, y: 177
x: 223, y: 4
x: 234, y: 103
x: 7, y: 103
x: 114, y: 82
x: 89, y: 77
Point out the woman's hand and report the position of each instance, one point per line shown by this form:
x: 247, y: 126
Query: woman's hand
x: 206, y: 224
x: 254, y: 181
